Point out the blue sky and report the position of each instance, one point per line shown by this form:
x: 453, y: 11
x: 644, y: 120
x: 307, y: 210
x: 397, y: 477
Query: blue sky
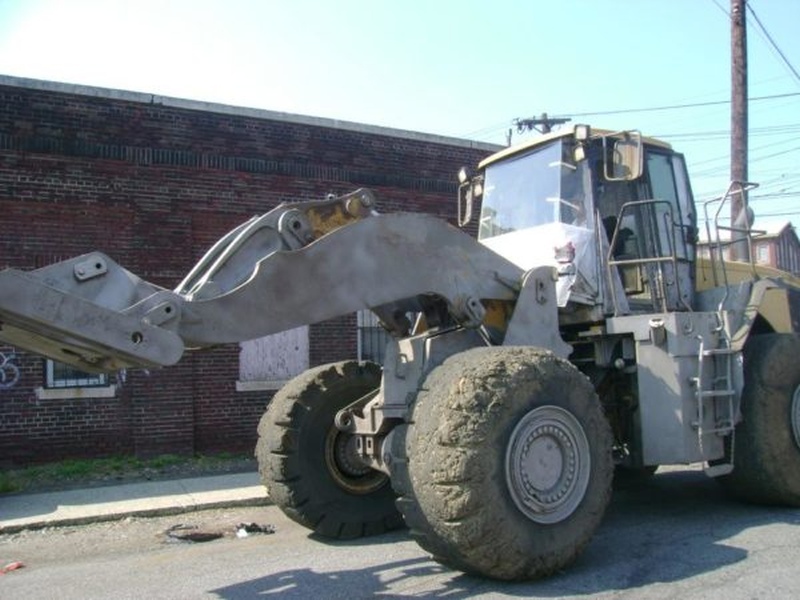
x: 463, y: 68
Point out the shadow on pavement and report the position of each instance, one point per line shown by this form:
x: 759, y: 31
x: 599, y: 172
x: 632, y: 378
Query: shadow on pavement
x: 673, y: 526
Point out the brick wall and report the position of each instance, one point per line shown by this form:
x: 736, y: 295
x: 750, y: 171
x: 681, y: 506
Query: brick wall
x: 153, y: 182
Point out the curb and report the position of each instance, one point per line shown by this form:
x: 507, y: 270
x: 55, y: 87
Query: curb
x: 142, y: 499
x: 141, y: 513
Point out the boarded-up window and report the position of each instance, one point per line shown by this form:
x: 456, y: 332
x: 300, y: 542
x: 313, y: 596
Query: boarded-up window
x: 268, y: 362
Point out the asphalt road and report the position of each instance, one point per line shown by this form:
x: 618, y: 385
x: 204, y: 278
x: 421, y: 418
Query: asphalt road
x: 673, y: 536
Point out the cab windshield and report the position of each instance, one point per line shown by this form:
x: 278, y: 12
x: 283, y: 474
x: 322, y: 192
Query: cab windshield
x: 541, y: 186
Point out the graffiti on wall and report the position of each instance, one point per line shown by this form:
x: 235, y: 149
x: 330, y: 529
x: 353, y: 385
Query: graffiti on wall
x: 9, y: 372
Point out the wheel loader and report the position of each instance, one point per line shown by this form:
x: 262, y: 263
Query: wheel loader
x: 579, y: 335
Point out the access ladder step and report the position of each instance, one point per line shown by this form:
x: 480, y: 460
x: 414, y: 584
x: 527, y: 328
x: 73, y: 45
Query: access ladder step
x: 718, y: 352
x: 716, y: 393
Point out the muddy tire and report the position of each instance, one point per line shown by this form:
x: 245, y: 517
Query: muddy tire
x: 505, y: 468
x: 307, y: 465
x: 767, y: 441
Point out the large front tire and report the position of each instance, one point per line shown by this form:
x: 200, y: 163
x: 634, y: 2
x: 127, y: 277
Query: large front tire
x: 310, y: 468
x: 766, y: 453
x: 508, y: 464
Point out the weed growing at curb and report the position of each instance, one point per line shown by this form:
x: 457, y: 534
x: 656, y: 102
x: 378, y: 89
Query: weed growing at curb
x: 73, y: 473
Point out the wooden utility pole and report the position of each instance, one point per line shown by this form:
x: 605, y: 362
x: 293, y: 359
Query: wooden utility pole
x: 740, y: 249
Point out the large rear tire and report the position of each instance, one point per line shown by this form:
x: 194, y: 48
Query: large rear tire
x: 309, y: 467
x: 766, y: 453
x: 508, y: 463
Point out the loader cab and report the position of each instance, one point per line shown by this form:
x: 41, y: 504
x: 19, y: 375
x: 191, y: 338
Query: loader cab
x: 611, y: 211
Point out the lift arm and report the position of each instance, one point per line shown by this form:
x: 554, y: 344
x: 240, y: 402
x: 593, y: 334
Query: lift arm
x: 298, y: 264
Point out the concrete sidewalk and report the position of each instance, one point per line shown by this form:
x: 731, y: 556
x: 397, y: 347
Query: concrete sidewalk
x: 148, y: 498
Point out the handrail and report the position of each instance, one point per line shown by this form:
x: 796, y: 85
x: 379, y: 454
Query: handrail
x: 671, y: 257
x: 716, y: 245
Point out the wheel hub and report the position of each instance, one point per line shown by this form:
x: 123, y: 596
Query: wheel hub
x: 548, y: 464
x: 795, y: 408
x: 346, y: 468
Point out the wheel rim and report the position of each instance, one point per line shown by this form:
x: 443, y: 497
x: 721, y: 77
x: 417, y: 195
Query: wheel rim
x: 796, y: 415
x: 344, y: 466
x: 548, y: 464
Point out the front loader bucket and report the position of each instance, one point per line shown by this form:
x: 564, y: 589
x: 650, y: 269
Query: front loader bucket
x: 83, y: 312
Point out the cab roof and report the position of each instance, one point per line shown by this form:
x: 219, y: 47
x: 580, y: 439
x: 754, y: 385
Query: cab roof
x: 562, y: 132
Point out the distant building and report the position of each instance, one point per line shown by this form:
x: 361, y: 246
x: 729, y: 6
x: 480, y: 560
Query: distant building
x: 779, y: 249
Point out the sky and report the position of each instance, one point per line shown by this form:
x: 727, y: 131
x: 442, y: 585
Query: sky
x: 461, y: 68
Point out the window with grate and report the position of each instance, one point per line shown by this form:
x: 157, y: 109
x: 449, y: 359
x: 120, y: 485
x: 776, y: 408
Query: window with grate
x: 62, y: 376
x: 372, y: 338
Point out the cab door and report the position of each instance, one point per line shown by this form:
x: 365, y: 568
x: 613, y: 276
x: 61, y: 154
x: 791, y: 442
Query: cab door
x: 672, y: 231
x: 650, y: 223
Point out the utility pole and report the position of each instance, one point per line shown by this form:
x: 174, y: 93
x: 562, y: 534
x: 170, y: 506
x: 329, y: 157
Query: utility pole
x: 740, y: 249
x: 542, y: 124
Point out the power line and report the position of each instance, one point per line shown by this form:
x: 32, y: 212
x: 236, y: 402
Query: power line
x: 787, y: 189
x: 680, y: 106
x: 774, y: 154
x: 722, y: 8
x: 711, y: 170
x: 489, y: 129
x: 772, y: 42
x: 499, y: 127
x: 778, y: 214
x: 775, y: 195
x: 765, y: 34
x: 700, y: 136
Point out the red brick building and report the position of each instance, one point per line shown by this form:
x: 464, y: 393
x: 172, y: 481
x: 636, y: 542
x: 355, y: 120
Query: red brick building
x: 779, y: 248
x: 153, y: 182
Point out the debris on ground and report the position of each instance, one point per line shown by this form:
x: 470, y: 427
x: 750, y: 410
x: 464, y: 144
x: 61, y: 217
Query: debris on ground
x: 183, y: 532
x: 12, y: 566
x: 191, y: 533
x: 245, y: 529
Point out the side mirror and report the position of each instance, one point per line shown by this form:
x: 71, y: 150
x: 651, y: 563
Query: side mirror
x: 464, y: 204
x: 627, y: 157
x: 469, y: 188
